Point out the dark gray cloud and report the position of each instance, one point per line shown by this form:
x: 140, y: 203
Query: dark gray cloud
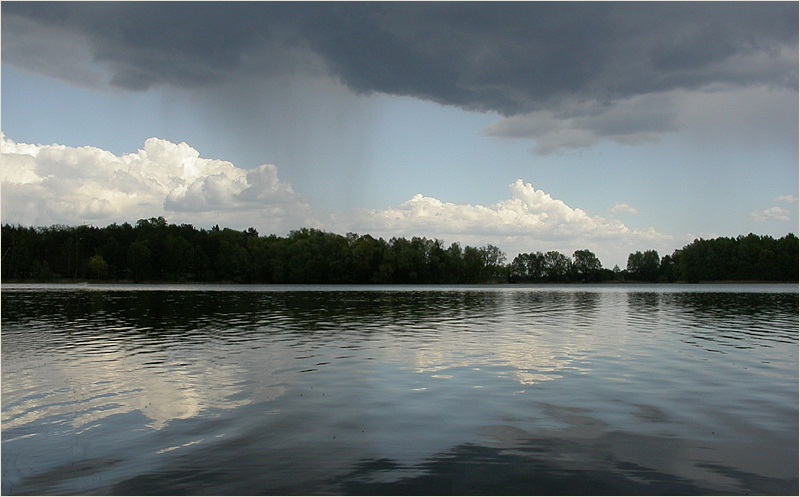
x: 510, y: 58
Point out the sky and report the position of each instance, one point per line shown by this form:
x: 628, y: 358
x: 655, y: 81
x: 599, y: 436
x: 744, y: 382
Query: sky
x: 529, y: 126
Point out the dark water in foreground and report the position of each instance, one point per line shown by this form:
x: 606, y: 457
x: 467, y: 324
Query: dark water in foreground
x: 347, y: 390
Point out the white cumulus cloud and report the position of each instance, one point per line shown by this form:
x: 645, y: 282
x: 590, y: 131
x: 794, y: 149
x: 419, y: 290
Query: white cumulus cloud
x: 771, y: 214
x: 789, y: 199
x: 50, y: 184
x: 620, y: 207
x: 529, y: 221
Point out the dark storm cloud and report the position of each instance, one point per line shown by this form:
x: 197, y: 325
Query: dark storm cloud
x: 510, y: 58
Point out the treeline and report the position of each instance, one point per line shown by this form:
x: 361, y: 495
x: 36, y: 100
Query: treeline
x: 744, y: 258
x: 153, y: 251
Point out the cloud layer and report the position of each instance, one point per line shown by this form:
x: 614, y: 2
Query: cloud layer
x: 565, y: 74
x: 50, y: 184
x: 509, y: 58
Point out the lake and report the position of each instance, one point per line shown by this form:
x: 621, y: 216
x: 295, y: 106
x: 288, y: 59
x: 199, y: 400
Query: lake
x: 617, y: 389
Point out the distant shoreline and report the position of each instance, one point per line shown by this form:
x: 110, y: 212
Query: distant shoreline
x: 155, y: 251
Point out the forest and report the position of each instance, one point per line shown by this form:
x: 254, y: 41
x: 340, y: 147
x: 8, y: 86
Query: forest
x: 153, y: 250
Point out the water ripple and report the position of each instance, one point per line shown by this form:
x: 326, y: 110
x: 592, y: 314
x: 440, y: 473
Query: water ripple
x: 388, y: 385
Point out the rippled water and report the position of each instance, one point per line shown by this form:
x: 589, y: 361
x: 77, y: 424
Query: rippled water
x: 400, y: 390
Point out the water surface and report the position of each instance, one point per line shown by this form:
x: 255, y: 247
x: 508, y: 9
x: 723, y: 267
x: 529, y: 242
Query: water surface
x: 400, y: 390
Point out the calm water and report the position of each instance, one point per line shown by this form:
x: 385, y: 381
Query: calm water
x: 371, y: 390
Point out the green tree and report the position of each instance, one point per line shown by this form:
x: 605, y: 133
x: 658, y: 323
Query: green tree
x: 586, y: 265
x: 178, y: 258
x: 518, y: 270
x: 528, y: 267
x: 668, y: 269
x: 453, y: 262
x: 473, y: 265
x: 556, y: 266
x: 232, y: 262
x: 644, y: 266
x: 493, y: 260
x: 787, y: 257
x: 98, y: 267
x: 140, y: 261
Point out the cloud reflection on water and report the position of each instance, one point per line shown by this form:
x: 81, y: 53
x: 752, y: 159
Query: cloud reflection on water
x: 421, y: 385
